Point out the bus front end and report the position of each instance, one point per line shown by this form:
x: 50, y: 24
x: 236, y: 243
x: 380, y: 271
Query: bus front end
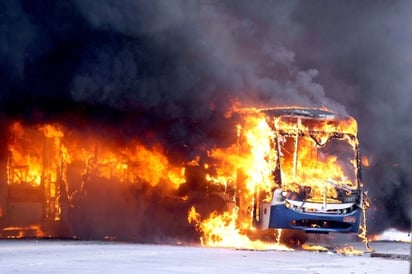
x: 318, y: 186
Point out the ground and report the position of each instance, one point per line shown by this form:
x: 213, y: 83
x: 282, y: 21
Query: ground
x: 75, y: 256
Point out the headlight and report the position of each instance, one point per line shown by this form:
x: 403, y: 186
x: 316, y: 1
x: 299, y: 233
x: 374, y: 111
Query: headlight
x: 287, y: 204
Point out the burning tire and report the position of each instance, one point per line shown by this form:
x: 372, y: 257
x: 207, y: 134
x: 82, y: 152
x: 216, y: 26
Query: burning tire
x: 292, y: 237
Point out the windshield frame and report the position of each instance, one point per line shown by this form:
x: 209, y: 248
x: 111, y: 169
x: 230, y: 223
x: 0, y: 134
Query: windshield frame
x: 320, y: 138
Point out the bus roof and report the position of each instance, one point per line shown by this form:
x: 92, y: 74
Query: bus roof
x: 343, y: 123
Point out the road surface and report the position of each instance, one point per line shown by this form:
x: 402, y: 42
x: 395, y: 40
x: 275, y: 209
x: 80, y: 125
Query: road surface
x: 75, y: 256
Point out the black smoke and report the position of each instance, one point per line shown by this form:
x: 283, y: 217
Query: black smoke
x: 174, y: 68
x: 363, y: 52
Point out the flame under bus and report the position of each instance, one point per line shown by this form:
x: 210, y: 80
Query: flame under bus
x: 317, y: 174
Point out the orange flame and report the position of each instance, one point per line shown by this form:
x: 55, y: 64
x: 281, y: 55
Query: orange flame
x: 41, y: 152
x: 39, y: 156
x: 349, y: 250
x: 305, y: 162
x: 365, y: 161
x: 252, y: 159
x: 249, y: 166
x: 224, y: 231
x: 37, y: 153
x: 314, y: 248
x: 27, y: 161
x: 18, y: 232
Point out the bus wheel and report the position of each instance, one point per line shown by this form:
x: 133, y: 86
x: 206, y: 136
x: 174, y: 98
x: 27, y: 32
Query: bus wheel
x: 293, y: 238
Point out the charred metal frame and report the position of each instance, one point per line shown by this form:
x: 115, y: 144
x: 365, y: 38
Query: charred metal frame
x: 285, y: 213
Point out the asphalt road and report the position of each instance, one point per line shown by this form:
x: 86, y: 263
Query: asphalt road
x: 75, y: 256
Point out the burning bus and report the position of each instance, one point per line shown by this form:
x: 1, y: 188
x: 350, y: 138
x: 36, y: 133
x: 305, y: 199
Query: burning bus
x: 292, y: 171
x: 34, y: 197
x: 296, y: 169
x: 317, y: 183
x: 63, y: 182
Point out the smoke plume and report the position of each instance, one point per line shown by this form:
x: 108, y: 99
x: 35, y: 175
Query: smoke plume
x: 175, y: 67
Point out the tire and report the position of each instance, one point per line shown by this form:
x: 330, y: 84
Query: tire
x: 293, y: 237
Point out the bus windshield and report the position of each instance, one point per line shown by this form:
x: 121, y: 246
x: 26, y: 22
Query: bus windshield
x: 322, y: 164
